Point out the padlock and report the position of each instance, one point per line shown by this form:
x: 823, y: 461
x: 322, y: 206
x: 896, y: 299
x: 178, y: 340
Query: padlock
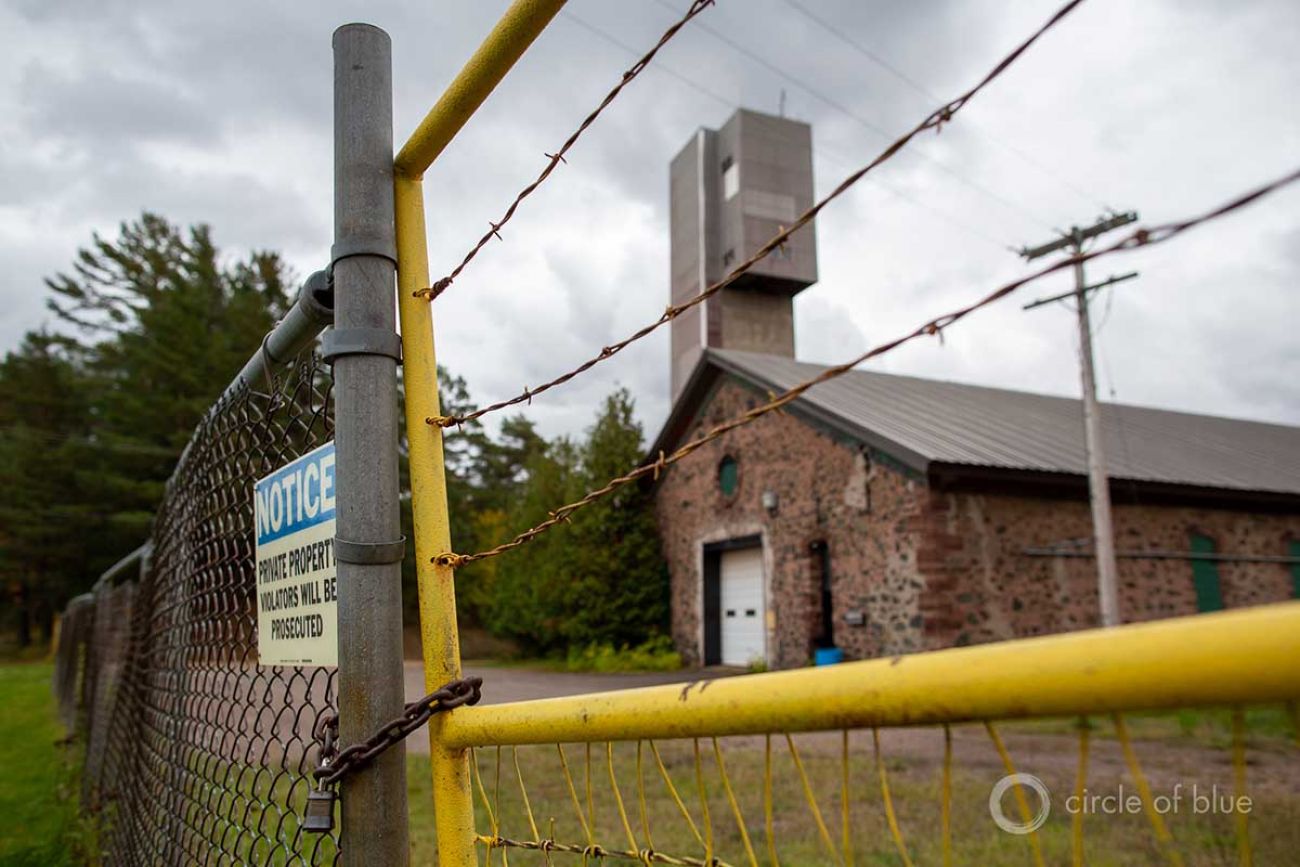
x: 319, y: 818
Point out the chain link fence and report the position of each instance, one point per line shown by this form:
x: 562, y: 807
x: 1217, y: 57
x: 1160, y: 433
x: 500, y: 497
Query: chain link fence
x: 195, y: 754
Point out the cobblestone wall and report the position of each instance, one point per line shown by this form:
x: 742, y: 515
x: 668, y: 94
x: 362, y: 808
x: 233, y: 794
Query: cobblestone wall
x: 925, y: 569
x: 982, y: 587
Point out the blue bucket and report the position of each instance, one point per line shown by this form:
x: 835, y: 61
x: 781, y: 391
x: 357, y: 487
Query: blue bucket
x: 827, y: 656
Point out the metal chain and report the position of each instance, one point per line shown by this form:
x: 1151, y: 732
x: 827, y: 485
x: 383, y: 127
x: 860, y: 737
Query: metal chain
x: 334, y: 764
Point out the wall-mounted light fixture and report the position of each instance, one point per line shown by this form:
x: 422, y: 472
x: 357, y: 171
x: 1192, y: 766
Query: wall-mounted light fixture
x: 770, y: 501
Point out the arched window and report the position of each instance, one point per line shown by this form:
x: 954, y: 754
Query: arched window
x: 728, y: 476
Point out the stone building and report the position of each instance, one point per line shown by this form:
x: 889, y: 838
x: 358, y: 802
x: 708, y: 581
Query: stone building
x: 886, y: 514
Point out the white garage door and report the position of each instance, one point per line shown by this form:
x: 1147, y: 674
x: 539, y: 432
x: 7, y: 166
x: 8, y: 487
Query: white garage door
x: 742, y: 612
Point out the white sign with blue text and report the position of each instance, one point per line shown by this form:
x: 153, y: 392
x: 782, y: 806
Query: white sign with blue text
x: 297, y: 584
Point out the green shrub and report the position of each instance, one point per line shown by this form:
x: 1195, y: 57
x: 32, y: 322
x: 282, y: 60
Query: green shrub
x: 653, y: 654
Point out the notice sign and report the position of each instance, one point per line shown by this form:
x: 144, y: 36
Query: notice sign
x: 297, y: 598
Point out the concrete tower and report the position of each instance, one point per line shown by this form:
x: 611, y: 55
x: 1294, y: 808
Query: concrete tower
x: 732, y: 189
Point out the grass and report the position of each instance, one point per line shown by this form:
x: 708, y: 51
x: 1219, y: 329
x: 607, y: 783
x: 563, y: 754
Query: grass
x: 40, y: 788
x: 914, y: 783
x: 39, y: 824
x: 1270, y: 727
x: 656, y: 654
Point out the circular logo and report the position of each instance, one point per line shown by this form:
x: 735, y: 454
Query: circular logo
x: 1009, y: 825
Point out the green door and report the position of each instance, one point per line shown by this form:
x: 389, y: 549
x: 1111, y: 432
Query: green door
x: 1205, y: 575
x: 1294, y: 550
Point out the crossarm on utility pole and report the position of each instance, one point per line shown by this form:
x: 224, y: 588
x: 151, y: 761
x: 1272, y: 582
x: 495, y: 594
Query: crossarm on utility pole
x: 1098, y: 483
x: 1109, y: 281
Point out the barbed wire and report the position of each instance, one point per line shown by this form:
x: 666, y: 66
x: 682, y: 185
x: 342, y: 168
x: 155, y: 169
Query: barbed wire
x: 819, y: 150
x: 556, y: 158
x: 1141, y: 237
x: 935, y: 120
x: 591, y: 850
x: 840, y: 34
x: 764, y: 60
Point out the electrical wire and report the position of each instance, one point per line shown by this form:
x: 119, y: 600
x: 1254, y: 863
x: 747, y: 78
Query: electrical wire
x: 819, y: 151
x: 862, y: 121
x: 919, y: 88
x: 1142, y: 237
x: 935, y: 120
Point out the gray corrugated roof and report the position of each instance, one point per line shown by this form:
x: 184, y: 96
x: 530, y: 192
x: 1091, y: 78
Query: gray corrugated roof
x: 947, y: 422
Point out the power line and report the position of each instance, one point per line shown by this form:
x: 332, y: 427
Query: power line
x: 933, y: 121
x: 852, y: 115
x: 947, y: 217
x: 893, y: 70
x: 820, y: 151
x: 934, y: 327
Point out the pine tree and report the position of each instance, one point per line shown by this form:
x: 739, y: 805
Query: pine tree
x: 618, y: 589
x: 46, y: 522
x: 484, y: 476
x: 527, y: 602
x: 600, y: 578
x: 171, y: 325
x: 92, y: 422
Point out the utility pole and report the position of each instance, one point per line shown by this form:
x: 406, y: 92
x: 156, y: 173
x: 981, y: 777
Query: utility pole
x: 1098, y: 486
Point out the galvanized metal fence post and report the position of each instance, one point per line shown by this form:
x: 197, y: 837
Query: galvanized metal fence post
x: 364, y: 348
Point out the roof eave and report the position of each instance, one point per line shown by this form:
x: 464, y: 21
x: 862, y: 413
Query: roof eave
x: 705, y: 374
x: 953, y: 477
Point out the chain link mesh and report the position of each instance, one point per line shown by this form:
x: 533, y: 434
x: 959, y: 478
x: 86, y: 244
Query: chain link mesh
x: 195, y: 754
x: 69, y: 651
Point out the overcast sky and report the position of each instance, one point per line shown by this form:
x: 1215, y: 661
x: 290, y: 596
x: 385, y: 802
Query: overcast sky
x: 220, y: 113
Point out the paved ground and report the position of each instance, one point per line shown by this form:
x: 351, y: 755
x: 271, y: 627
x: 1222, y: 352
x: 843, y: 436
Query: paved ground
x: 502, y: 684
x: 1055, y: 754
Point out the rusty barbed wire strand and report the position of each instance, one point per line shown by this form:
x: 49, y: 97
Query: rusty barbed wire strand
x: 643, y: 856
x: 553, y: 160
x: 1141, y: 237
x: 935, y: 120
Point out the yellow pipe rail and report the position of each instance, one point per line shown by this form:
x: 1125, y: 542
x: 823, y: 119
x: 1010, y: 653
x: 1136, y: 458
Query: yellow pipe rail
x: 1227, y: 658
x: 509, y: 39
x: 440, y: 641
x: 516, y: 30
x: 1234, y: 657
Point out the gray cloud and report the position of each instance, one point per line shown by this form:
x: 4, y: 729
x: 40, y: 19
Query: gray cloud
x: 99, y: 108
x: 222, y: 114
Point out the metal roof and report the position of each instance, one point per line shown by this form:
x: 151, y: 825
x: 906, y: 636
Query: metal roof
x: 926, y: 421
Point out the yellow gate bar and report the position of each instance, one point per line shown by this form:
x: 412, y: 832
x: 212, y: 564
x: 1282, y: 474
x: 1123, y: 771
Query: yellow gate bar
x: 1234, y: 657
x: 439, y: 641
x: 517, y: 29
x: 509, y: 39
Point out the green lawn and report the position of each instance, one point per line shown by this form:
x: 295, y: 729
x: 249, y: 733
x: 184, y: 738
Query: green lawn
x: 39, y: 826
x: 914, y: 786
x: 38, y: 780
